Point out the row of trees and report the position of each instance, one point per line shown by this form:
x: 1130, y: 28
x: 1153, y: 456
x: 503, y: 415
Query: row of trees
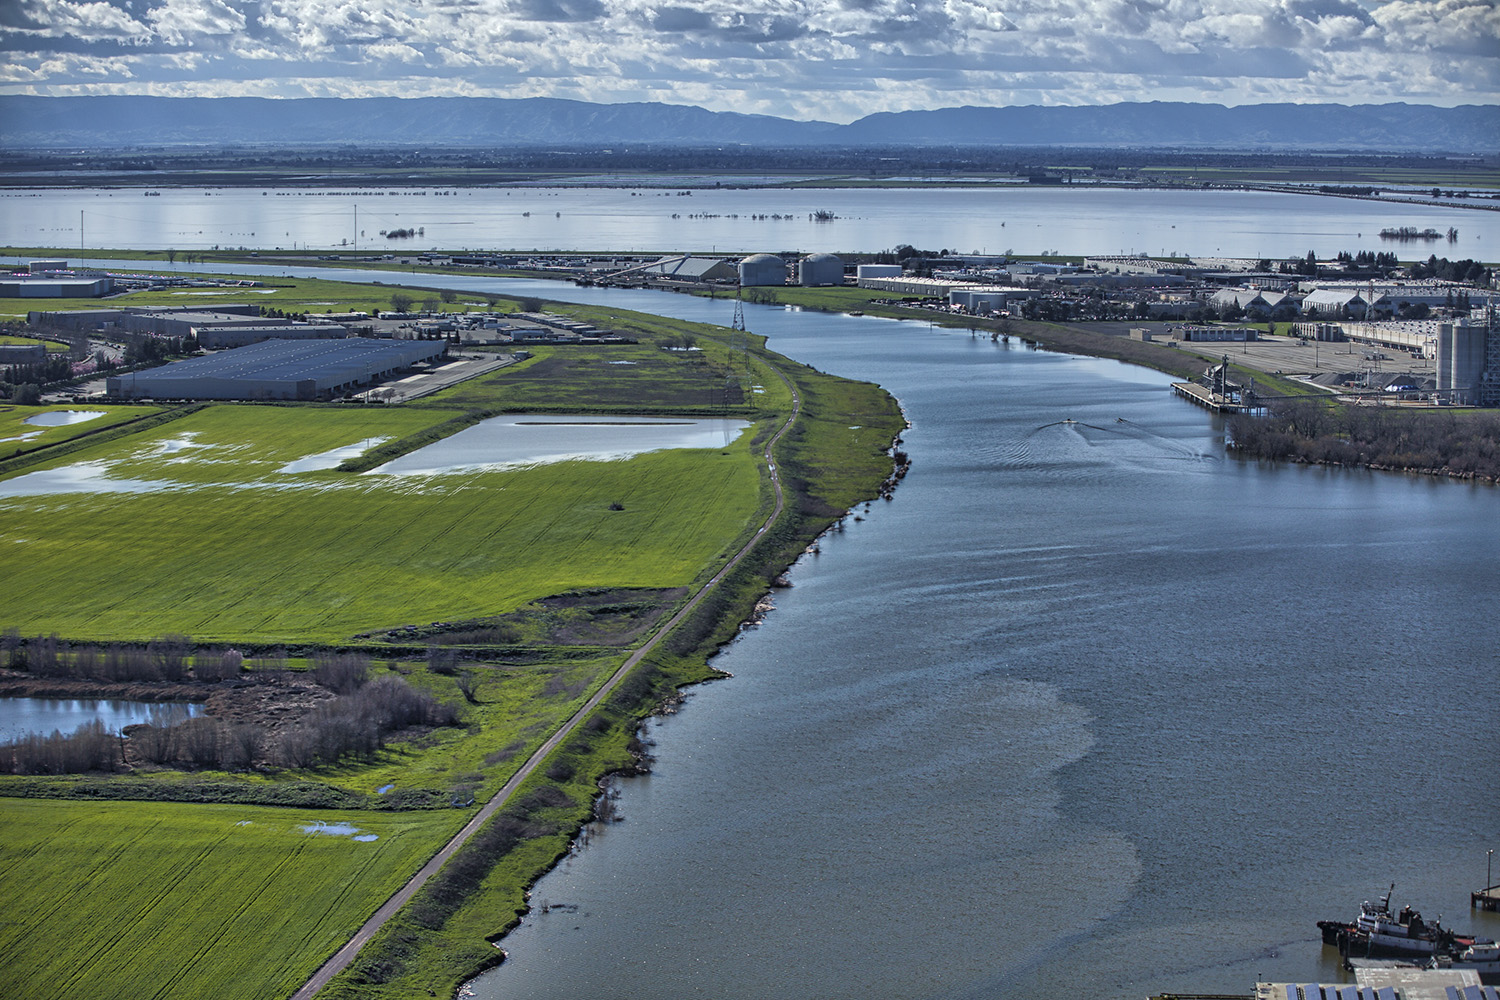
x: 167, y: 658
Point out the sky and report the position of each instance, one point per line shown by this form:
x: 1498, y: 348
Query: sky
x: 829, y: 60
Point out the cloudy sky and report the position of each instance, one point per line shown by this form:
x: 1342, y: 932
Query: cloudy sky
x: 826, y: 59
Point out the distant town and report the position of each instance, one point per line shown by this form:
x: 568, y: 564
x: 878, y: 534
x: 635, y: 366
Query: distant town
x: 1363, y: 326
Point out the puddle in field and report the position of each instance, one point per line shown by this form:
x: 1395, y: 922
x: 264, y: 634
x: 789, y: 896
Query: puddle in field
x: 339, y: 830
x: 331, y: 459
x: 539, y: 439
x: 81, y: 477
x: 62, y: 418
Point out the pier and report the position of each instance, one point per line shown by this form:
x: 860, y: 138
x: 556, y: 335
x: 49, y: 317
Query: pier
x: 1486, y: 899
x: 1208, y: 399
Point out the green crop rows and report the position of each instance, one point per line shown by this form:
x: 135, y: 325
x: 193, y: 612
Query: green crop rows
x: 142, y: 899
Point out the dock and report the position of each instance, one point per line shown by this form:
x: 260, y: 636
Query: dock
x: 1486, y: 899
x: 1207, y: 398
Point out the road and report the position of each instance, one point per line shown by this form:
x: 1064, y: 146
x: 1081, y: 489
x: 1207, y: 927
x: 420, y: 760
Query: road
x: 345, y: 955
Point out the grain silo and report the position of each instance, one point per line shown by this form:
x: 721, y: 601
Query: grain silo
x: 821, y: 269
x: 762, y: 269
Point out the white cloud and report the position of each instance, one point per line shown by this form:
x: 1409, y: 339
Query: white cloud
x: 181, y: 22
x: 833, y: 59
x: 83, y: 21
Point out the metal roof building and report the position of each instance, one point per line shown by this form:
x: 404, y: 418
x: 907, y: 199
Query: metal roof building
x: 278, y: 369
x: 820, y: 269
x: 762, y: 269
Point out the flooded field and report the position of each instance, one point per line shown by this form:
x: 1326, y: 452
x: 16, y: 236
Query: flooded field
x: 530, y: 439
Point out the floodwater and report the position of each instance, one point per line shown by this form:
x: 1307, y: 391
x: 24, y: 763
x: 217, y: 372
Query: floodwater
x: 333, y: 458
x: 1089, y: 709
x: 533, y: 439
x: 22, y: 716
x: 80, y: 477
x: 1024, y: 218
x: 508, y: 442
x: 62, y: 418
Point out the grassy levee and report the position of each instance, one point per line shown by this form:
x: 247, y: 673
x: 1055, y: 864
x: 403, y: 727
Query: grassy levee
x: 132, y: 899
x: 231, y: 548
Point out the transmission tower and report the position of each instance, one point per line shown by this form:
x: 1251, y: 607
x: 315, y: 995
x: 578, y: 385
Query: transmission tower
x: 739, y: 351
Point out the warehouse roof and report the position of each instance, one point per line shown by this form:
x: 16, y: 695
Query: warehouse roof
x: 326, y: 361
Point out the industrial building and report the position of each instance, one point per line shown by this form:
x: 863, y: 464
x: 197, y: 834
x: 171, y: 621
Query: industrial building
x: 689, y: 269
x: 278, y: 369
x: 1468, y: 362
x: 820, y: 269
x: 762, y: 269
x: 985, y: 298
x: 55, y: 285
x: 1212, y: 334
x: 863, y: 271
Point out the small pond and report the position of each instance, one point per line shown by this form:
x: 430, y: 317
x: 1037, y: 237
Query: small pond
x: 21, y: 716
x: 538, y: 439
x: 63, y: 418
x: 331, y: 459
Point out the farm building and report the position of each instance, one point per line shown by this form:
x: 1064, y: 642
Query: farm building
x: 762, y: 269
x: 279, y: 369
x: 820, y: 269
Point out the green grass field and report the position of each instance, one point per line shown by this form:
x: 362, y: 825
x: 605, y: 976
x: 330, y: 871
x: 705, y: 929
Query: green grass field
x: 227, y: 548
x: 128, y: 899
x: 17, y: 436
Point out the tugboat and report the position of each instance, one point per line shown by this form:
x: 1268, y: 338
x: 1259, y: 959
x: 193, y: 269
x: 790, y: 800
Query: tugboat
x: 1376, y: 932
x: 1379, y: 938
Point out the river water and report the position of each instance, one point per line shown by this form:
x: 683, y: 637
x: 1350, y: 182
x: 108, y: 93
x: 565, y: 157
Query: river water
x: 1089, y: 709
x: 1026, y: 219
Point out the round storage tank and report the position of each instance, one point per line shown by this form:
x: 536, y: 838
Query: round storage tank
x: 762, y: 269
x: 821, y: 269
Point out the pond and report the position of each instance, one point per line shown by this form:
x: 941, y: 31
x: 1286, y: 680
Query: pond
x: 20, y: 717
x: 540, y: 439
x: 63, y: 418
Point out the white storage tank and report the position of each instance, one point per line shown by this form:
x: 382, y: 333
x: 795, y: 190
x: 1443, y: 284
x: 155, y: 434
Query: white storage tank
x: 762, y: 269
x: 820, y: 269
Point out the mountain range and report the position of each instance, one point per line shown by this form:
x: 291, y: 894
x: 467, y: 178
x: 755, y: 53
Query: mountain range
x: 112, y: 122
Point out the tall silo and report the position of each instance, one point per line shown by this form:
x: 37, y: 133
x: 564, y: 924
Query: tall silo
x: 821, y: 269
x: 762, y: 269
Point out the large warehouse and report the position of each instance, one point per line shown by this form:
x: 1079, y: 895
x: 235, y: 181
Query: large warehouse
x: 278, y: 369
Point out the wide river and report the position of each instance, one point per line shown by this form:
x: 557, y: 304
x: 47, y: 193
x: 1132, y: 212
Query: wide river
x: 1090, y: 709
x: 1026, y: 219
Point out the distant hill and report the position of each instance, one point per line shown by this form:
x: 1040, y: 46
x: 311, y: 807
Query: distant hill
x: 117, y: 121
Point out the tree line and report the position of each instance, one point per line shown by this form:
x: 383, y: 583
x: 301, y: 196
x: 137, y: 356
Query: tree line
x: 1312, y: 430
